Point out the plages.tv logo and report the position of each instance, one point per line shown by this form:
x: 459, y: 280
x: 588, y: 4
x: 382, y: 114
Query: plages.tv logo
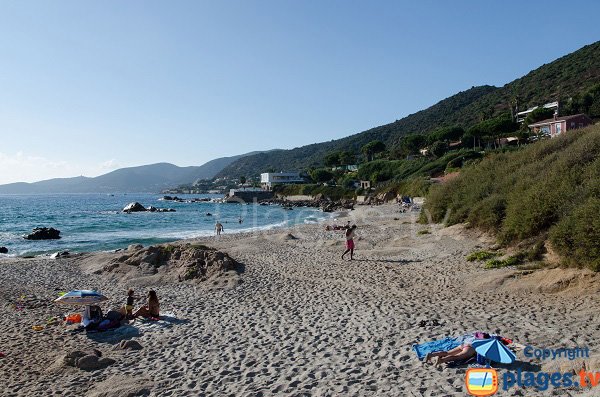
x: 481, y: 382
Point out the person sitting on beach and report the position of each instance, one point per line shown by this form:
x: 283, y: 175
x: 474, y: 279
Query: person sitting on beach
x: 459, y: 353
x: 350, y: 242
x: 152, y: 309
x: 129, y: 303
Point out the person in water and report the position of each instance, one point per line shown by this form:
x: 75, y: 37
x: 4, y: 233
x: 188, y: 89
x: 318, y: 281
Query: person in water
x: 350, y: 242
x: 152, y: 309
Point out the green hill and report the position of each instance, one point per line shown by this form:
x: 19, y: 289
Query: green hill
x: 566, y: 77
x: 549, y: 190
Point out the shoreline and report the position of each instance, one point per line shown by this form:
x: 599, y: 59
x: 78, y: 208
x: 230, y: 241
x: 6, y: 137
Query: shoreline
x: 296, y: 319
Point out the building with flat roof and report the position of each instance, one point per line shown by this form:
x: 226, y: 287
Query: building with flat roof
x: 270, y: 179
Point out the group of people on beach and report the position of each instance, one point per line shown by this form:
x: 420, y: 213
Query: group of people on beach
x: 150, y: 310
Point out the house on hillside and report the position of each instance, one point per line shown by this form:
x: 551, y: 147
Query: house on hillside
x: 557, y: 125
x: 347, y: 168
x: 269, y: 179
x: 521, y: 116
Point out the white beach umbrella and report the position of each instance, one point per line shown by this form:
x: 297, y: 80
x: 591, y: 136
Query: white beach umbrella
x: 81, y: 297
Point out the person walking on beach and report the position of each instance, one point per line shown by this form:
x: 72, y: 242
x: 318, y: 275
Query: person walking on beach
x: 219, y: 228
x: 350, y: 242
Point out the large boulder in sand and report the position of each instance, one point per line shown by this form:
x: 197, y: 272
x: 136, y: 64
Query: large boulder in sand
x: 43, y: 233
x: 134, y: 207
x: 172, y: 261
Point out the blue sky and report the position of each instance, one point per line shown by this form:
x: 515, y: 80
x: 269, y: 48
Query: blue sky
x: 87, y: 87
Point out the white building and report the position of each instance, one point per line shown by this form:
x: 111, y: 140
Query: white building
x: 522, y: 115
x: 268, y: 179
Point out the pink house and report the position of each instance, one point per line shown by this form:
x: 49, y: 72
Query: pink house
x: 557, y: 125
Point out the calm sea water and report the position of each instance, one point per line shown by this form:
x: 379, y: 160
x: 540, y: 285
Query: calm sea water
x: 94, y: 222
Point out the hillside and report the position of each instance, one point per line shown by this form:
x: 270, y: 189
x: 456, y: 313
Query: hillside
x: 559, y: 80
x: 548, y: 191
x: 146, y: 178
x: 312, y: 155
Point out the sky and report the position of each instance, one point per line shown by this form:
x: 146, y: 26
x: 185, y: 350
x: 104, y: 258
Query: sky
x: 88, y: 87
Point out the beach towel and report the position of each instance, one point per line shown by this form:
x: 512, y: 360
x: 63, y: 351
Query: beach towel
x: 445, y: 344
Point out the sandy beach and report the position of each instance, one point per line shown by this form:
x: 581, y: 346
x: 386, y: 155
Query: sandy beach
x: 296, y: 319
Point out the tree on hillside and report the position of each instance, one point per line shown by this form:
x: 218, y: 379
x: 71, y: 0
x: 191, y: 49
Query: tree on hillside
x: 332, y: 159
x: 372, y: 148
x: 446, y: 134
x: 439, y: 148
x: 347, y: 158
x: 321, y: 175
x: 411, y: 144
x: 491, y: 128
x: 242, y: 180
x: 538, y: 114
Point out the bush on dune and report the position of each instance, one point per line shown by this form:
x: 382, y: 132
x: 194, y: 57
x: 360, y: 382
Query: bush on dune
x: 552, y: 186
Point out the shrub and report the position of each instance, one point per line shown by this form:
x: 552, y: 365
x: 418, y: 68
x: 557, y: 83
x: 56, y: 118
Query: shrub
x: 480, y: 256
x: 497, y: 263
x: 424, y: 231
x: 550, y: 186
x: 577, y: 236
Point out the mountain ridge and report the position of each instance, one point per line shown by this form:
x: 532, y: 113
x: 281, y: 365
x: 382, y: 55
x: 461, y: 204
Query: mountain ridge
x: 150, y: 178
x: 560, y: 79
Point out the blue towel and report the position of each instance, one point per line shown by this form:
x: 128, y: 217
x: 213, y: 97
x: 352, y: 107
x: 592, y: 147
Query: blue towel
x: 435, y: 346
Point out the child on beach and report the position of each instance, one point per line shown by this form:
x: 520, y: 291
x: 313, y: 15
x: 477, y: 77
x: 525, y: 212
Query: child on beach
x: 350, y: 242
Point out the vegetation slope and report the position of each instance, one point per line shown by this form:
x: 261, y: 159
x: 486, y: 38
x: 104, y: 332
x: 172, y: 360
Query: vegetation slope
x: 548, y: 190
x: 566, y: 79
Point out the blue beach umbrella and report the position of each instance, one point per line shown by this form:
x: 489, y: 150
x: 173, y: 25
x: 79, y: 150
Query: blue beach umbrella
x: 494, y: 350
x: 81, y: 297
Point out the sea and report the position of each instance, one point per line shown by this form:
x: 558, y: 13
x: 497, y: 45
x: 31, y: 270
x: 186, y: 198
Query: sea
x: 96, y: 222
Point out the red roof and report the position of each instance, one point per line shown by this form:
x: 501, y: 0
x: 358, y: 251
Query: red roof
x: 553, y: 120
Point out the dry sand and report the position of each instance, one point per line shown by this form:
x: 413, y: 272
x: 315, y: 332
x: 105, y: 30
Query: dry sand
x: 298, y: 320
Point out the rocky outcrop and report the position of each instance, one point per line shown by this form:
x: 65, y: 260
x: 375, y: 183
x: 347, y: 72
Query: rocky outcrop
x: 137, y: 207
x: 3, y: 250
x: 43, y: 233
x: 325, y: 204
x: 134, y: 207
x: 177, y: 262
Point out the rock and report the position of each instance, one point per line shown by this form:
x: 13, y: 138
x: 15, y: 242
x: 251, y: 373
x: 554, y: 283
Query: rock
x: 135, y: 247
x: 92, y: 362
x: 130, y: 344
x: 72, y: 358
x: 134, y: 207
x: 57, y: 255
x: 3, y: 250
x: 43, y: 233
x: 152, y: 209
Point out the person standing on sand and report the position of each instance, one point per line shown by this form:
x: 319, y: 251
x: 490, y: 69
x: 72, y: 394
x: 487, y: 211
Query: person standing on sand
x: 219, y: 228
x: 350, y: 242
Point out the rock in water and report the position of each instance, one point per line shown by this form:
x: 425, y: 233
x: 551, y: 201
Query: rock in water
x: 43, y: 233
x: 134, y: 207
x: 3, y: 250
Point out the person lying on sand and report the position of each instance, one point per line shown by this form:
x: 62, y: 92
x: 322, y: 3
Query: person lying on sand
x: 152, y: 309
x: 462, y: 352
